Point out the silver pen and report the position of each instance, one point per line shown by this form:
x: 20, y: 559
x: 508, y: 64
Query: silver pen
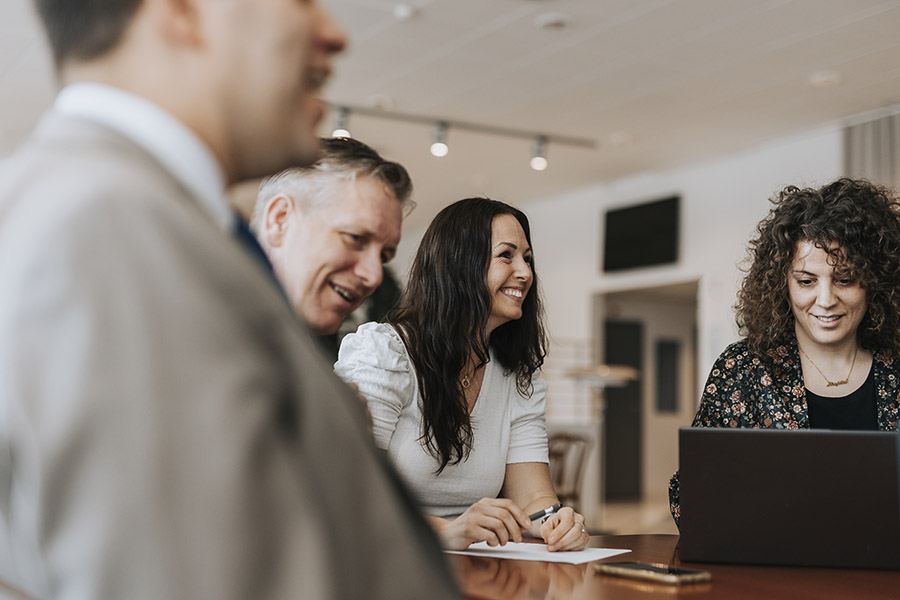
x: 545, y: 513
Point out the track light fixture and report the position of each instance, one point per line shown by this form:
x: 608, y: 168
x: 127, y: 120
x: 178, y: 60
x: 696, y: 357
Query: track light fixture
x: 340, y: 123
x: 439, y: 145
x: 539, y: 160
x: 440, y: 148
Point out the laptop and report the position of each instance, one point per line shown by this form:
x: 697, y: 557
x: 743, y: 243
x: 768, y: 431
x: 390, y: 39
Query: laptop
x: 804, y: 498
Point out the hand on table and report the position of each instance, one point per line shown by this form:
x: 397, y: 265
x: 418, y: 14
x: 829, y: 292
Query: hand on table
x: 492, y: 520
x: 565, y: 530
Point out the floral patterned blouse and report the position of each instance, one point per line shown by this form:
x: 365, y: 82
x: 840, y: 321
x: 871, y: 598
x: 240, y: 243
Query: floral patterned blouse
x: 748, y: 390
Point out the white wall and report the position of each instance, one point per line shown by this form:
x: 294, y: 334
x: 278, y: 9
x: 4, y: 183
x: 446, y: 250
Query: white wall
x: 721, y: 202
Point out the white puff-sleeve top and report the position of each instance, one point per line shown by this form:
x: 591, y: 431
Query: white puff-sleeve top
x: 507, y: 427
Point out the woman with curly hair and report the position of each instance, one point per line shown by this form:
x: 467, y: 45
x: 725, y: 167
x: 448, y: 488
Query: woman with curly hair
x: 453, y: 382
x: 820, y: 311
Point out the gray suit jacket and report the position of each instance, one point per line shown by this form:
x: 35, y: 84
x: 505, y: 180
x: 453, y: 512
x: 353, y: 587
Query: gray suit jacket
x: 167, y: 429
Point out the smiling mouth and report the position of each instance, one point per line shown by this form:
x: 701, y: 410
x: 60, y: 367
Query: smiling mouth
x: 830, y: 319
x: 513, y: 293
x: 317, y: 78
x: 345, y: 293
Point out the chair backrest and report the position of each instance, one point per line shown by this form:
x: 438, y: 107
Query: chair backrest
x: 567, y: 459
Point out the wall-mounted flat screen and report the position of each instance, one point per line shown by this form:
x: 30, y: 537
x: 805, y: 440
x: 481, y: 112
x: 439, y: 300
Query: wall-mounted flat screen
x: 642, y: 235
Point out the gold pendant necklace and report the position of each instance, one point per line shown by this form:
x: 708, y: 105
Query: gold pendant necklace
x: 828, y: 381
x: 466, y: 380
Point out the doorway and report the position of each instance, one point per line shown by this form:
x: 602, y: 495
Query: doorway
x: 654, y: 330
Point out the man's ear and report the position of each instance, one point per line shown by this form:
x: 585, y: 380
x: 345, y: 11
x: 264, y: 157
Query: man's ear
x: 178, y: 20
x: 277, y: 218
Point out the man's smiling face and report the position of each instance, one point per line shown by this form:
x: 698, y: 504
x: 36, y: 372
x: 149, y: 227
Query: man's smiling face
x: 331, y: 255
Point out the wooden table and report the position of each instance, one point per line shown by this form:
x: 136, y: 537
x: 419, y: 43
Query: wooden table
x: 491, y: 578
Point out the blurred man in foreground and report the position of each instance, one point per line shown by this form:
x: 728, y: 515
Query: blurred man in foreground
x: 166, y: 428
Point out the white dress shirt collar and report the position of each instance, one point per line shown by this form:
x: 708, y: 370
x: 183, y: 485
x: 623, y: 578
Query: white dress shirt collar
x: 165, y: 138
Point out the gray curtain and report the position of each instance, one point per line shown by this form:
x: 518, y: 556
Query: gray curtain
x: 872, y: 151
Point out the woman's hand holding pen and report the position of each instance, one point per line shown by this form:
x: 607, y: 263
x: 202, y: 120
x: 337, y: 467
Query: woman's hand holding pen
x: 564, y: 530
x: 497, y: 521
x: 492, y: 520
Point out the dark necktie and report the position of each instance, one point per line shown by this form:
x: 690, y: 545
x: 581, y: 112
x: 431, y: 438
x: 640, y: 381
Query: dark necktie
x: 243, y: 234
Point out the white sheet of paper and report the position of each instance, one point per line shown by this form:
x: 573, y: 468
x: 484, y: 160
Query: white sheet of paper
x: 523, y: 551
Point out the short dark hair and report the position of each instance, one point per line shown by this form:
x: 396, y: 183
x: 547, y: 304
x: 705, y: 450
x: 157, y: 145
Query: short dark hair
x: 863, y: 219
x: 85, y: 29
x: 443, y: 314
x: 339, y: 158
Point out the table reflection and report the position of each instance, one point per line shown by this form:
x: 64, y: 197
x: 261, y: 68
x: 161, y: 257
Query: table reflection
x: 493, y: 578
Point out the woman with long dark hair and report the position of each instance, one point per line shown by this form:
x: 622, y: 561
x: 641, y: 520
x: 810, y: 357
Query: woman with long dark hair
x: 453, y: 382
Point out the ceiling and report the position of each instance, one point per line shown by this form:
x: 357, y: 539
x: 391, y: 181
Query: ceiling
x: 654, y: 83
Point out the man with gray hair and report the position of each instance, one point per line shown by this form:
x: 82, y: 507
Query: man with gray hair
x: 329, y: 228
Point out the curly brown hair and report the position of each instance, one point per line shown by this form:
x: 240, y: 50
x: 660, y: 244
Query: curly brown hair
x: 863, y: 220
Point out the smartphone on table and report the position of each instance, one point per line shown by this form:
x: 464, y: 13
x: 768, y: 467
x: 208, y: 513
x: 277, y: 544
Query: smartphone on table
x: 653, y: 572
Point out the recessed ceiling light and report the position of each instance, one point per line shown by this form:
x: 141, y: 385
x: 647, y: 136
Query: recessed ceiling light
x: 404, y: 12
x: 552, y: 20
x: 824, y: 79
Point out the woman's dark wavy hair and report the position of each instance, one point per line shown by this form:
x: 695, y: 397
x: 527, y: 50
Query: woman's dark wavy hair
x: 443, y: 314
x: 863, y: 219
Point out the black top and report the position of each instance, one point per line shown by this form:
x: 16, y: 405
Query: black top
x: 856, y: 410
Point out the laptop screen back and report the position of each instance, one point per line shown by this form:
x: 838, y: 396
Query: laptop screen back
x: 810, y: 497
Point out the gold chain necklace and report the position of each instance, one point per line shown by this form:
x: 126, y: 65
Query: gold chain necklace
x: 828, y: 381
